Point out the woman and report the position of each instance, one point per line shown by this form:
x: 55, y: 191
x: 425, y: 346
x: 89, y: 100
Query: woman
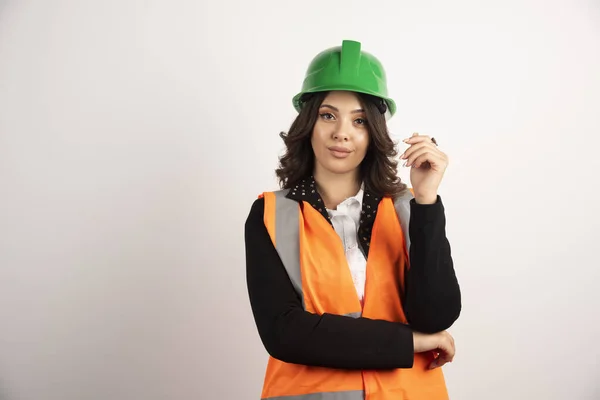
x: 349, y: 272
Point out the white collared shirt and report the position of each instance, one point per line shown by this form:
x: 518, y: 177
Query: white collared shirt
x: 345, y: 220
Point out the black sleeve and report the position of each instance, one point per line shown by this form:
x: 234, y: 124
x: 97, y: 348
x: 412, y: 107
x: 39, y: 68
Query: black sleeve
x: 293, y: 335
x: 433, y: 298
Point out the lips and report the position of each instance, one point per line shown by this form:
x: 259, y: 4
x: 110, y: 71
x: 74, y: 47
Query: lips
x: 339, y: 152
x: 339, y: 149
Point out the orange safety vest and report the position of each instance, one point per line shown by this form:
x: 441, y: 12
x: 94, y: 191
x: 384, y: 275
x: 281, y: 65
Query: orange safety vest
x: 306, y: 243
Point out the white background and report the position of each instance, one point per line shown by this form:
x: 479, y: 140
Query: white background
x: 134, y: 136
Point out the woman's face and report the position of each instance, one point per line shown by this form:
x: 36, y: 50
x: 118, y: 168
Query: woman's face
x: 340, y: 137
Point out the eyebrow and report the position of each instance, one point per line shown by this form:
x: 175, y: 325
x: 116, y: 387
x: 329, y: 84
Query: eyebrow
x: 360, y: 110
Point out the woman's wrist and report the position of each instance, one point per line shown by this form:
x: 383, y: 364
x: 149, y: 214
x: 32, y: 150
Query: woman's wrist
x: 428, y: 199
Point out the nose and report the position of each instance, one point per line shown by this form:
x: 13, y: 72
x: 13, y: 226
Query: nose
x: 341, y: 131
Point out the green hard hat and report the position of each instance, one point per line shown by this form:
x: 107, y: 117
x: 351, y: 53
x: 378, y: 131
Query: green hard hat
x: 346, y: 67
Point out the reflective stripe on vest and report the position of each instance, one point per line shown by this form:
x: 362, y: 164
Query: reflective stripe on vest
x: 347, y: 395
x: 402, y: 206
x: 287, y: 214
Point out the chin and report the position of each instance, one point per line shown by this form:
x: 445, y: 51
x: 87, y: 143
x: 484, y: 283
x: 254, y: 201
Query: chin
x: 340, y: 168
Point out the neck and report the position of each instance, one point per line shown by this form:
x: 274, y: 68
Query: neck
x: 335, y: 188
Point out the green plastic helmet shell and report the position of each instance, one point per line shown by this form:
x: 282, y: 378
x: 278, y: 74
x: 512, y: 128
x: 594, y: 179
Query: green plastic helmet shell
x: 346, y: 67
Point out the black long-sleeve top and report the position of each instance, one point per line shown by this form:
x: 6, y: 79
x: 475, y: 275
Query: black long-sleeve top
x: 289, y: 333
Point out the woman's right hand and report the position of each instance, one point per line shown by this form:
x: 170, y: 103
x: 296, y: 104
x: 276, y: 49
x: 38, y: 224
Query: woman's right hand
x: 441, y: 343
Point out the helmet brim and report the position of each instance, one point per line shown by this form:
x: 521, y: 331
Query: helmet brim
x: 296, y: 101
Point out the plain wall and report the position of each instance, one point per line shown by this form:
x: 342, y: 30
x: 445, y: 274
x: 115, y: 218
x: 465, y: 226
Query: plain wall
x: 134, y: 136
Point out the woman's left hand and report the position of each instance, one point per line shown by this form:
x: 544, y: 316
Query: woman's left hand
x: 428, y: 165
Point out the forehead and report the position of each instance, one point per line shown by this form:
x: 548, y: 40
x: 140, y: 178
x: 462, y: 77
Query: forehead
x: 343, y: 100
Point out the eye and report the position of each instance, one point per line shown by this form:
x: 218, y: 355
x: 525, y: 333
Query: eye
x: 326, y: 116
x: 360, y: 121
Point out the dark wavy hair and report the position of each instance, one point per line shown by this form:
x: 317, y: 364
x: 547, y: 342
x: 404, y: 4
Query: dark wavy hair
x: 378, y: 170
